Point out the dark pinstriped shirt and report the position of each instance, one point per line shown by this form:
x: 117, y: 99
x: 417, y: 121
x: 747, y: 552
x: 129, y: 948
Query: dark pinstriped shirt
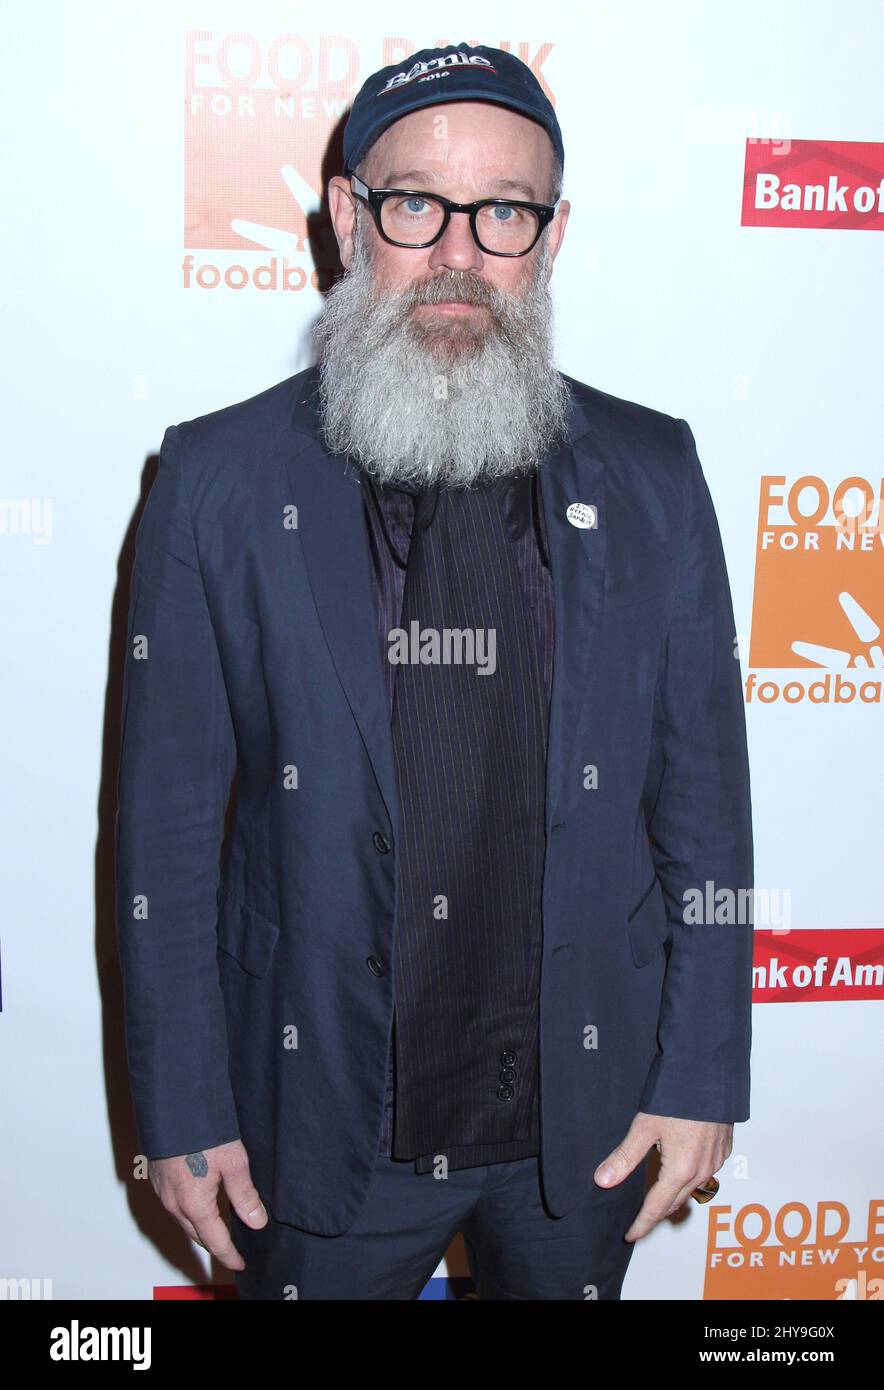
x: 389, y: 511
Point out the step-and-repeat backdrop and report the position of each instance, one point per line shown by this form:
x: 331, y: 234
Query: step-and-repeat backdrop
x: 166, y: 249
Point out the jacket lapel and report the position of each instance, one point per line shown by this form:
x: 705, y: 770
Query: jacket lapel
x: 334, y: 539
x: 574, y: 473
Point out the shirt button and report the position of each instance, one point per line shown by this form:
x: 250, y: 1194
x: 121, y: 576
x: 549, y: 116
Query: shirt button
x: 507, y: 1059
x: 505, y: 1093
x: 381, y: 843
x: 374, y: 966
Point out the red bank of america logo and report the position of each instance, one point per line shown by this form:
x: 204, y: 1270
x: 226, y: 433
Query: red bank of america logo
x: 827, y: 185
x: 258, y: 116
x: 809, y: 965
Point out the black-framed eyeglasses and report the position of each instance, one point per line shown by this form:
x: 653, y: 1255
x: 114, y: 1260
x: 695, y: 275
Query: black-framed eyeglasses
x: 411, y: 218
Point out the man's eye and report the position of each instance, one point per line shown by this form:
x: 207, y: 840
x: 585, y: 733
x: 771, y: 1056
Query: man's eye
x: 415, y: 205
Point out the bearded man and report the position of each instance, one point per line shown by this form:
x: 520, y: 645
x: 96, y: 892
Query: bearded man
x: 460, y: 627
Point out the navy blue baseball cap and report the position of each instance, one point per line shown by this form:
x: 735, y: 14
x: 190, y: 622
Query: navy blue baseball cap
x: 455, y: 73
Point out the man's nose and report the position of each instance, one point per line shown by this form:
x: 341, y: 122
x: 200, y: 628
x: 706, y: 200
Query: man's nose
x: 456, y: 248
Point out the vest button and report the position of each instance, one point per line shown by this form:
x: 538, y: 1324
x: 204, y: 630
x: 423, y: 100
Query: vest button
x: 507, y: 1059
x: 505, y: 1093
x: 381, y: 843
x: 374, y: 966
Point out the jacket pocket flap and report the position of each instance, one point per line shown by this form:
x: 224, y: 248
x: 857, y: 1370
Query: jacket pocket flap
x: 648, y: 924
x: 244, y: 934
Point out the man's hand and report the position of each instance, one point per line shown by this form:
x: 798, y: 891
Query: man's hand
x: 691, y: 1152
x: 188, y: 1188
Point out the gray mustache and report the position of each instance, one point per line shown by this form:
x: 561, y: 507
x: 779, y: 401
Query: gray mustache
x: 457, y: 291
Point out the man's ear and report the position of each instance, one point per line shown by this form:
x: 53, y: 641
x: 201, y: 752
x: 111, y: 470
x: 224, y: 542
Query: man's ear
x: 342, y: 207
x: 556, y: 230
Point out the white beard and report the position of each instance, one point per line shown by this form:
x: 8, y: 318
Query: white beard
x: 423, y: 399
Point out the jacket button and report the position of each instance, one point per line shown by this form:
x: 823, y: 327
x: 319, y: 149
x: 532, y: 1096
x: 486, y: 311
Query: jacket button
x: 504, y: 1093
x: 507, y: 1059
x: 381, y: 843
x: 508, y: 1074
x: 374, y: 966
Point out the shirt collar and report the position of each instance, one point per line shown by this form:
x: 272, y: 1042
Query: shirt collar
x: 401, y: 505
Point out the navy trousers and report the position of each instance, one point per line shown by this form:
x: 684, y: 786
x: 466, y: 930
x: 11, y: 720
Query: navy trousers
x: 515, y: 1248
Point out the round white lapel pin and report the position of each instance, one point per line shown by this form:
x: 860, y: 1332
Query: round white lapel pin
x: 583, y: 515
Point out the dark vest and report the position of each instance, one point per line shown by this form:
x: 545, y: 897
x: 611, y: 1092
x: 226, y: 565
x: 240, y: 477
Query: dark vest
x: 464, y: 1070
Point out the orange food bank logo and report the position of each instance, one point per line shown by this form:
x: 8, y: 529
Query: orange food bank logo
x: 258, y: 115
x: 819, y: 592
x: 795, y: 1252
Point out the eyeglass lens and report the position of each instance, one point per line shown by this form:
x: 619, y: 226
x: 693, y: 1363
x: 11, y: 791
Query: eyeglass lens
x: 415, y: 220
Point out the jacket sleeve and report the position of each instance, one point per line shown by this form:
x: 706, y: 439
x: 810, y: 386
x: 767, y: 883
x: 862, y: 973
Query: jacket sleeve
x: 698, y: 814
x: 177, y: 761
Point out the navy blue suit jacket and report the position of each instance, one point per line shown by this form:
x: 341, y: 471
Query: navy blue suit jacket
x: 259, y: 991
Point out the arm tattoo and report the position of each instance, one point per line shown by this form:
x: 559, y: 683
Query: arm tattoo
x: 198, y: 1164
